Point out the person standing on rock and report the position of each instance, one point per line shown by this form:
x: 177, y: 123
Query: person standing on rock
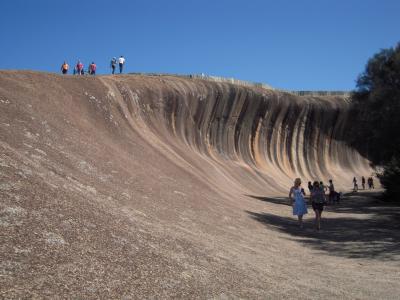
x: 113, y: 65
x: 92, y: 68
x: 318, y: 200
x: 64, y: 68
x: 79, y: 68
x: 121, y: 63
x: 296, y: 196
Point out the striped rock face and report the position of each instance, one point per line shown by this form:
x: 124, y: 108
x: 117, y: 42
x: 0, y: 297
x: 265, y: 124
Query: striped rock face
x: 145, y: 187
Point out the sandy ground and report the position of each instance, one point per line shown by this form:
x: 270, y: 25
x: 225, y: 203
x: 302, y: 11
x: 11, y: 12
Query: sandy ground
x: 107, y: 192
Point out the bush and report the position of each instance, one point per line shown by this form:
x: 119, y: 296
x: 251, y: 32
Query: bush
x: 375, y: 113
x: 390, y: 180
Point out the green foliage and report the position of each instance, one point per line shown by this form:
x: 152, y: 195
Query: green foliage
x: 375, y: 131
x: 390, y: 179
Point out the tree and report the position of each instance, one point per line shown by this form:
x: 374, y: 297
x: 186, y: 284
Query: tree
x: 375, y: 111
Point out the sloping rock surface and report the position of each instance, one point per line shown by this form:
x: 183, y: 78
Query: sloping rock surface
x: 139, y: 187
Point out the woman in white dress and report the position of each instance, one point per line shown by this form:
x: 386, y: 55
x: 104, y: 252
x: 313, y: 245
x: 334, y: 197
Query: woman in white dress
x: 296, y: 196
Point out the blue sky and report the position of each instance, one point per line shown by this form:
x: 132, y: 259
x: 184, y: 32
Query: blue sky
x: 298, y: 45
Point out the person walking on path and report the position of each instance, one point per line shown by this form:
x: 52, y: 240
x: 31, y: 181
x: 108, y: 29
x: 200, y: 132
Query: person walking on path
x: 296, y: 196
x: 322, y: 186
x: 92, y: 68
x: 79, y: 68
x: 332, y: 193
x: 363, y: 182
x: 64, y: 68
x: 310, y: 186
x: 355, y: 185
x: 113, y: 65
x: 121, y: 63
x: 318, y: 200
x: 371, y: 183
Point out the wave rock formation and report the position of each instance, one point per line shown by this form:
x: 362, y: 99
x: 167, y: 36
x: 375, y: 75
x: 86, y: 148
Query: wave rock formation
x: 144, y: 186
x: 258, y: 139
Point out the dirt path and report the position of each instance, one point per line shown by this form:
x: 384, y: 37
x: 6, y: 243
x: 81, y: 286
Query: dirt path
x: 361, y: 226
x: 355, y: 256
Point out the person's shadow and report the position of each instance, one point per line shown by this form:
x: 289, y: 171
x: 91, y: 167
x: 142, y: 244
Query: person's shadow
x: 373, y: 230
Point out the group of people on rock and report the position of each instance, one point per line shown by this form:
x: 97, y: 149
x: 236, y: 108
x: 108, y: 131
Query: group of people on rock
x: 370, y: 182
x: 121, y: 63
x: 318, y: 199
x: 79, y: 67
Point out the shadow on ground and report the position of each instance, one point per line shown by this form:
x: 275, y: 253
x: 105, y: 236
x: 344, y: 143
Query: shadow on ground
x: 275, y: 200
x: 362, y: 227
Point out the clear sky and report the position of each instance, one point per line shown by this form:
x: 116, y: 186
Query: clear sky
x: 298, y: 44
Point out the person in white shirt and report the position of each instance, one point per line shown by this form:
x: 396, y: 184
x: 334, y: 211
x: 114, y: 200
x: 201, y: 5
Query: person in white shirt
x: 121, y: 62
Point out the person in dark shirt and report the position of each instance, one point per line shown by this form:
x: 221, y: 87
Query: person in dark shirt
x: 318, y: 200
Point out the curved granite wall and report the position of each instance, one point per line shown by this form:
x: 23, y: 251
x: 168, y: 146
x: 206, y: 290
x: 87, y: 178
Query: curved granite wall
x: 236, y: 139
x: 272, y: 135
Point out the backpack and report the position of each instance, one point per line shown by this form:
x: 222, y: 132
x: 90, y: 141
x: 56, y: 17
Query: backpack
x: 318, y: 196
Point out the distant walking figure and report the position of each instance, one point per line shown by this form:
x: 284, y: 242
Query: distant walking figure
x: 355, y: 185
x: 332, y: 193
x: 298, y: 203
x: 79, y: 68
x: 363, y: 182
x: 64, y: 68
x: 92, y: 68
x: 310, y: 186
x: 322, y: 187
x: 317, y: 201
x: 113, y: 64
x: 371, y: 183
x: 121, y: 62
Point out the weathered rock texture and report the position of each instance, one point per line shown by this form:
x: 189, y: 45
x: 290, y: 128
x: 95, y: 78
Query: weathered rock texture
x: 150, y: 187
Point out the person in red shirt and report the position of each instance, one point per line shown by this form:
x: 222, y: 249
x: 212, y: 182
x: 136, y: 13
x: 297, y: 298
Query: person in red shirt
x: 79, y: 68
x: 92, y: 68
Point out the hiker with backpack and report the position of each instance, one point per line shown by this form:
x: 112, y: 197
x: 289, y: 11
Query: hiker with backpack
x: 318, y: 201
